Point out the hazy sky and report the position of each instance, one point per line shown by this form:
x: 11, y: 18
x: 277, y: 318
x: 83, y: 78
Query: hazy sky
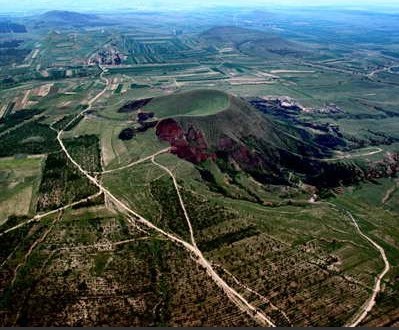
x: 100, y: 5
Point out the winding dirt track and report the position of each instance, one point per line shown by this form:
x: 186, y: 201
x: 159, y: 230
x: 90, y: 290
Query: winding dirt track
x: 261, y: 297
x: 365, y: 309
x: 370, y: 303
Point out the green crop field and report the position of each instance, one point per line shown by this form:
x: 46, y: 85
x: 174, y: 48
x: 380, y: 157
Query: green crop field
x: 19, y: 183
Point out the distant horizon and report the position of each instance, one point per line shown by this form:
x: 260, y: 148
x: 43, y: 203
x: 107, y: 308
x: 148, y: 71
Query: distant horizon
x: 29, y: 6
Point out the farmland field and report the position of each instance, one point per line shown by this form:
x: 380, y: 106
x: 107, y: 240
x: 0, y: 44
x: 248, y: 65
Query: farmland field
x: 20, y: 179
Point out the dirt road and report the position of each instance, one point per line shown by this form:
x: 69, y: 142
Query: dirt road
x: 38, y: 217
x: 365, y: 309
x: 135, y: 162
x: 370, y: 303
x: 182, y: 205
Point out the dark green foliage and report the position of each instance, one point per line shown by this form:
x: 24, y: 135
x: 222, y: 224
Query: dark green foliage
x: 100, y: 262
x: 14, y: 297
x: 134, y: 105
x: 62, y: 183
x: 10, y: 106
x: 228, y: 238
x: 13, y: 238
x: 13, y: 55
x: 72, y: 124
x: 118, y: 89
x: 9, y: 27
x: 10, y: 43
x: 17, y: 117
x: 63, y: 122
x: 86, y: 151
x: 126, y: 134
x: 133, y: 86
x: 204, y: 214
x: 209, y: 178
x: 172, y: 214
x: 155, y: 252
x: 31, y: 138
x: 336, y: 174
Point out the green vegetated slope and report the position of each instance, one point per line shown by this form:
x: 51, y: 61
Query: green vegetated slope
x: 238, y: 35
x: 220, y: 114
x: 240, y: 121
x: 321, y: 256
x: 193, y: 103
x: 242, y: 139
x: 251, y: 42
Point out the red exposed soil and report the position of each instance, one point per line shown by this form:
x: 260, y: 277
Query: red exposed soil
x: 388, y: 166
x: 190, y: 145
x: 239, y: 152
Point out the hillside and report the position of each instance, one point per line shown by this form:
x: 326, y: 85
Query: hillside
x: 251, y: 42
x: 193, y: 103
x: 10, y: 27
x: 69, y: 18
x: 240, y: 139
